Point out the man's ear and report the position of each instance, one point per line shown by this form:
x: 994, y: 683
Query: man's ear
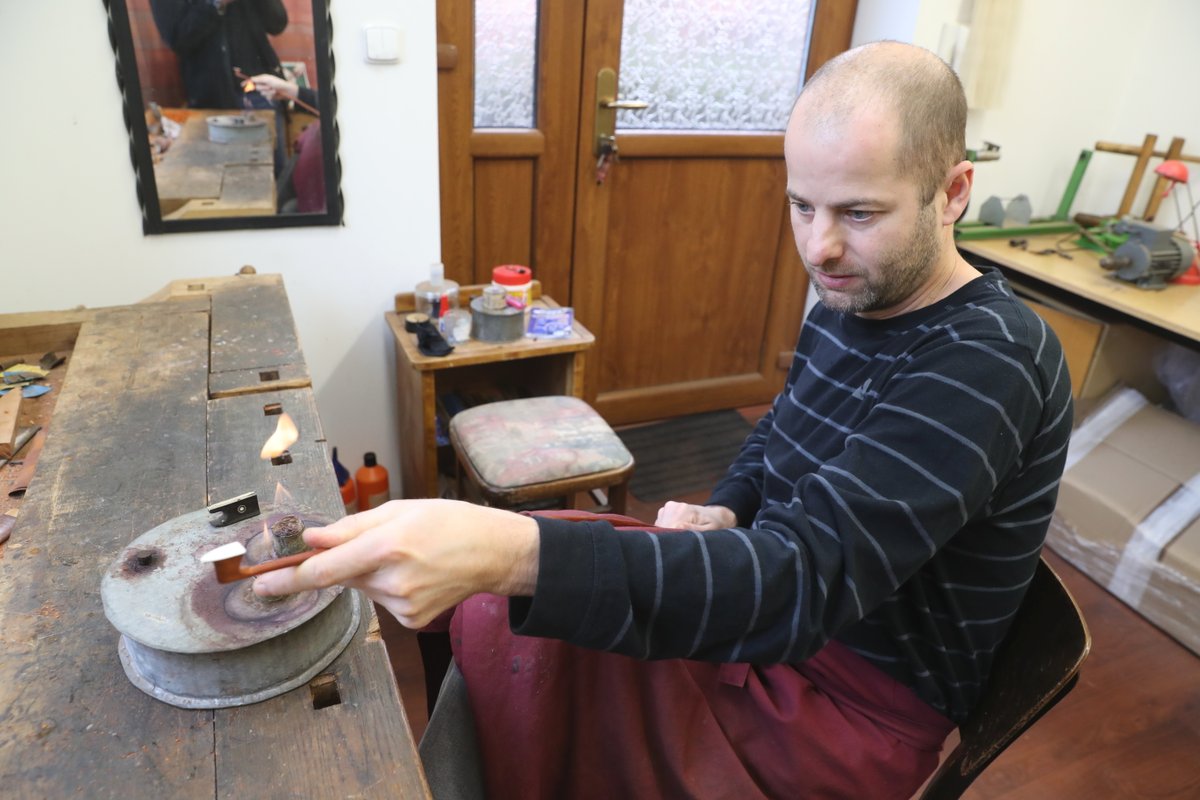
x: 958, y: 191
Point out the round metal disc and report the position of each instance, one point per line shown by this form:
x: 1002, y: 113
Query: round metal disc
x: 195, y: 643
x: 159, y: 594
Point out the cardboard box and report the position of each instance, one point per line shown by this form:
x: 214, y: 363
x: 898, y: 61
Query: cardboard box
x: 1183, y: 555
x: 1101, y: 355
x: 1128, y: 510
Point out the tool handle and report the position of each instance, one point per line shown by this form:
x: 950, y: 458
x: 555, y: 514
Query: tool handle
x: 279, y: 563
x: 22, y: 439
x: 1089, y: 220
x: 306, y: 106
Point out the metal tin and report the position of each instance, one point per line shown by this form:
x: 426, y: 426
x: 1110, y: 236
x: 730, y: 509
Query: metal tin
x: 238, y: 129
x: 506, y: 324
x: 194, y: 643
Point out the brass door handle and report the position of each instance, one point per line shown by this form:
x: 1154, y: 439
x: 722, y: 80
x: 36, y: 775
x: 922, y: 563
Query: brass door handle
x: 629, y: 104
x: 605, y: 134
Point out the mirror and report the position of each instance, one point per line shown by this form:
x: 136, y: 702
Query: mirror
x: 215, y: 145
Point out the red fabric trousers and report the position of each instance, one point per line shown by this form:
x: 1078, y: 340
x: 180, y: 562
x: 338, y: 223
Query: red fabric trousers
x: 559, y: 721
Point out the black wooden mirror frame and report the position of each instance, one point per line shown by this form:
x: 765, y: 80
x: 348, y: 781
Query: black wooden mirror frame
x: 121, y: 36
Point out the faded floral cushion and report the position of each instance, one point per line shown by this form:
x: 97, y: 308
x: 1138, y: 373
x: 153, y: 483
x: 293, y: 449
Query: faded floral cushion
x: 515, y: 443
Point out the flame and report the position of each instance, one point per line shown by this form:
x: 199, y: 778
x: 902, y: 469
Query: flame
x: 248, y: 86
x: 283, y: 498
x: 285, y: 436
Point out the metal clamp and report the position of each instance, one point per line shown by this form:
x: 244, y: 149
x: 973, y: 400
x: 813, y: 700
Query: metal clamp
x: 235, y: 509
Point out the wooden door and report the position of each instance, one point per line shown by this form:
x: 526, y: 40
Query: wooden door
x: 508, y: 194
x: 681, y: 261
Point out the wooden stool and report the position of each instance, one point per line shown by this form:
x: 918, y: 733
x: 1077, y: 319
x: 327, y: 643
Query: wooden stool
x: 540, y: 448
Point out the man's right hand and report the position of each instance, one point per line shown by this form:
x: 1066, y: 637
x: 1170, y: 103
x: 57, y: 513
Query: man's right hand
x: 417, y: 558
x: 695, y: 518
x: 270, y: 87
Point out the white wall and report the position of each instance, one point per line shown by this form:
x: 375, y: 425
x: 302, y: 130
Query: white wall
x: 70, y: 226
x: 1075, y: 73
x: 884, y: 19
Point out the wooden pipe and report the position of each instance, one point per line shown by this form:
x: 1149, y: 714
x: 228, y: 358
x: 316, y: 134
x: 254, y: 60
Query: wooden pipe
x: 227, y: 562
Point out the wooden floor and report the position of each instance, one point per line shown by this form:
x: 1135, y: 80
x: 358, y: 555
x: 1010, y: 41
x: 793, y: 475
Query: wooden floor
x: 1130, y: 729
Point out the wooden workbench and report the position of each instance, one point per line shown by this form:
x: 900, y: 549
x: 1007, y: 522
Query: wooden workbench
x: 198, y: 178
x: 160, y: 414
x: 1173, y: 311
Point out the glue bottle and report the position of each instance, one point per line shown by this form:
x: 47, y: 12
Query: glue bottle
x: 372, y: 481
x: 349, y: 495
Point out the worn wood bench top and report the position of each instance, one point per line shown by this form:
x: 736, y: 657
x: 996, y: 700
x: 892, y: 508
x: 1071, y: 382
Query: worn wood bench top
x: 161, y: 413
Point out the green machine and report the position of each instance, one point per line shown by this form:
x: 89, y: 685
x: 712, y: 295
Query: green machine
x: 1059, y: 223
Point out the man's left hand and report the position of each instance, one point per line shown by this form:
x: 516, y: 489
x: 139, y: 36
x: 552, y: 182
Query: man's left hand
x: 695, y: 518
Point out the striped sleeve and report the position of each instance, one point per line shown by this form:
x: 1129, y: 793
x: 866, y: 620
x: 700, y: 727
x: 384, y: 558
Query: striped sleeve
x: 946, y: 428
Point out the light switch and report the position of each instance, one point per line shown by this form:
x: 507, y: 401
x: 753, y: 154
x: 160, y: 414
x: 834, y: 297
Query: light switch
x: 385, y: 43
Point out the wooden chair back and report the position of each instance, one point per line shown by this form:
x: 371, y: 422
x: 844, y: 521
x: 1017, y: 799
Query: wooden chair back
x: 1035, y: 667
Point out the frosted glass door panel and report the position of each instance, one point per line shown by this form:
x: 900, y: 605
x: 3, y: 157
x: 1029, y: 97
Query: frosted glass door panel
x: 727, y: 65
x: 505, y: 60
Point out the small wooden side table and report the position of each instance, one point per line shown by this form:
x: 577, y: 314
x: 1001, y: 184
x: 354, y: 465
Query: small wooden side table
x: 531, y: 367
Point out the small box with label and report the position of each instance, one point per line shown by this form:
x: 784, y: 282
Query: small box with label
x: 550, y: 323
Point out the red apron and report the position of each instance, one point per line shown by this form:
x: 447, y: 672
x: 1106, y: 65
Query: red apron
x: 559, y: 721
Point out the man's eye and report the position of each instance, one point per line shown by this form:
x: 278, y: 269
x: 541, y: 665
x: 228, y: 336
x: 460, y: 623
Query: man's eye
x: 859, y: 216
x: 802, y: 207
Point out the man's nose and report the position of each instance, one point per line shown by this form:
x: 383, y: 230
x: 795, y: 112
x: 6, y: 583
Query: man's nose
x: 824, y: 241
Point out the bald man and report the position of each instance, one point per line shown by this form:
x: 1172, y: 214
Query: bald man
x: 819, y: 626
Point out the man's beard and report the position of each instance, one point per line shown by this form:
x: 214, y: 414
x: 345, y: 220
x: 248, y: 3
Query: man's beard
x: 900, y: 273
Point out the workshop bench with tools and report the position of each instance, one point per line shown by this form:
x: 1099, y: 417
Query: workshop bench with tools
x: 1128, y: 514
x: 161, y: 413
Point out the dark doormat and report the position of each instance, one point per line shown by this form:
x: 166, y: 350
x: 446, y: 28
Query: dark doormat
x: 683, y: 455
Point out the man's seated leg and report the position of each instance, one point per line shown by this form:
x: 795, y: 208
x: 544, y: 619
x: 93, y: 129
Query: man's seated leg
x: 554, y: 720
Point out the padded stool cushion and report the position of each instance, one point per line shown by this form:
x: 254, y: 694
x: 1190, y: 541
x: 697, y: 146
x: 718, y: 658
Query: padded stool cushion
x: 515, y: 443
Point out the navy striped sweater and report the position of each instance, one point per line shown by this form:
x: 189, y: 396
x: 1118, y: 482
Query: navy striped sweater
x: 895, y: 498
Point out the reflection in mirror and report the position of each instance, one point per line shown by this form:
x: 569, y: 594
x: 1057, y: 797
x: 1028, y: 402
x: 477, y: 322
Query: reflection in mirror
x: 230, y: 110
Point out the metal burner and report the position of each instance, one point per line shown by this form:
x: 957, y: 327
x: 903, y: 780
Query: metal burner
x: 195, y: 643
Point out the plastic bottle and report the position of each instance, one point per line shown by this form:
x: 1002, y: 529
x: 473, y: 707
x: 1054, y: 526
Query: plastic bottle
x: 372, y: 483
x: 437, y: 295
x: 349, y: 494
